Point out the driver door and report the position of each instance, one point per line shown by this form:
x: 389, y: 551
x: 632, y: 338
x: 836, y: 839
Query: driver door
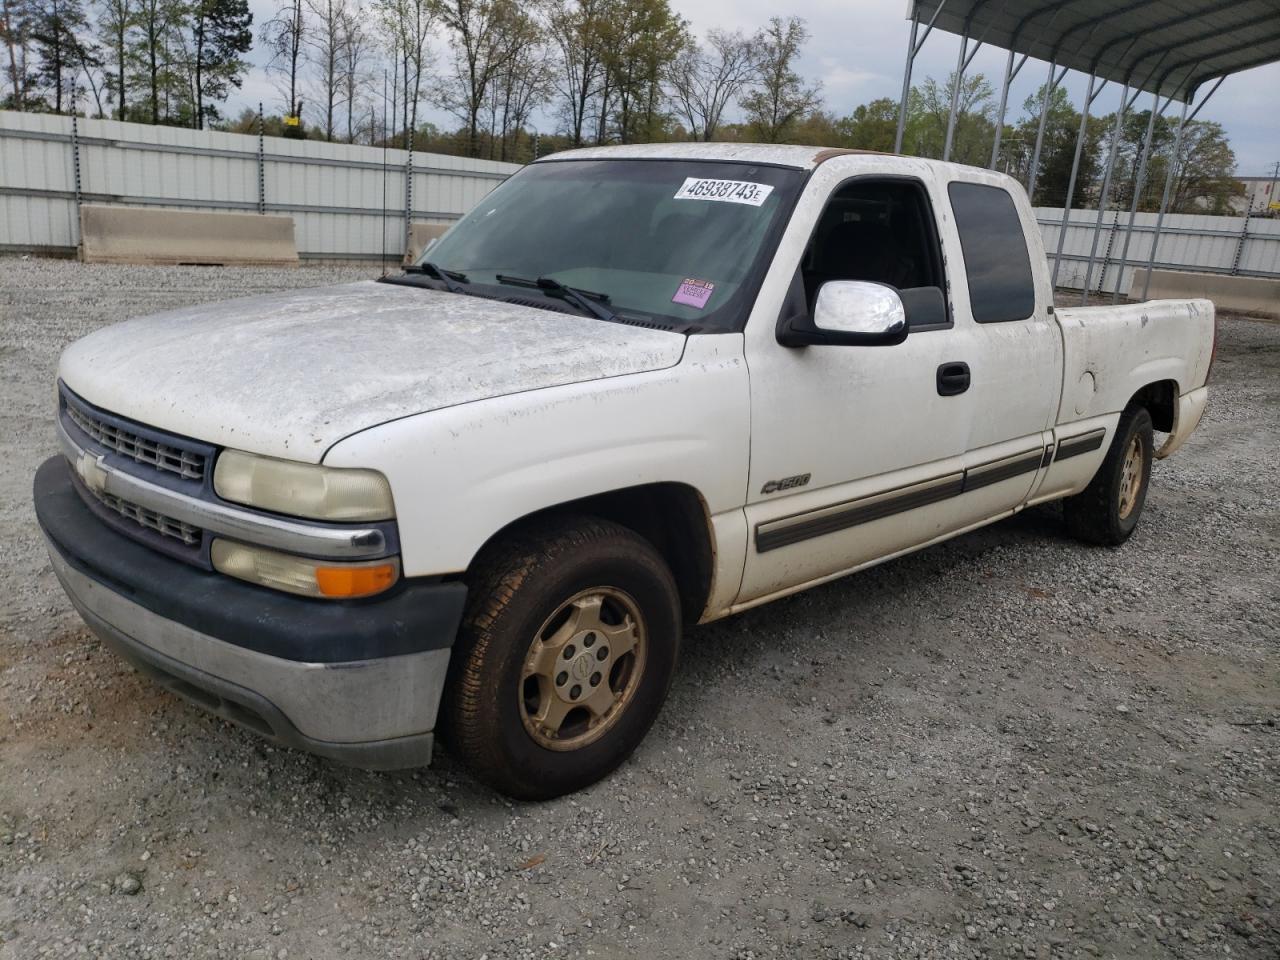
x: 855, y: 450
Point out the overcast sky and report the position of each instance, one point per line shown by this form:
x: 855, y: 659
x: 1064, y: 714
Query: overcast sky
x: 857, y: 51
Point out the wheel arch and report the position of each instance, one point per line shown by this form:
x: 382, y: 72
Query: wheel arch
x: 672, y: 516
x: 1161, y: 400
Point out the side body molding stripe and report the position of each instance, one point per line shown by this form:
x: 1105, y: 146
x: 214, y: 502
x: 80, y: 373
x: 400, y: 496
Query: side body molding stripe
x: 1085, y: 443
x: 876, y: 506
x: 841, y: 516
x: 1004, y: 469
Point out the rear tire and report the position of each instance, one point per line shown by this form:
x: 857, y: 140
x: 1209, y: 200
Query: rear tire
x: 1107, y: 511
x: 564, y: 658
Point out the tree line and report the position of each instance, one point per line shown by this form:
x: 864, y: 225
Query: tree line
x: 606, y: 71
x: 1204, y: 166
x: 156, y: 61
x: 527, y: 77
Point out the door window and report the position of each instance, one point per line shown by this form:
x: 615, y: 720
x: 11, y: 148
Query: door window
x: 881, y: 230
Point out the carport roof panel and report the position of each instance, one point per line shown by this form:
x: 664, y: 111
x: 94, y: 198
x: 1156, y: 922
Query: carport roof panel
x: 1169, y: 45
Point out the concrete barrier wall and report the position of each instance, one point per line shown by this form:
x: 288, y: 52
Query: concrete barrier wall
x: 153, y: 235
x: 1242, y: 294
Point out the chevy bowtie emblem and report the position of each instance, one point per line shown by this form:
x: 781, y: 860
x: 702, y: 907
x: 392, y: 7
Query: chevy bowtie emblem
x: 91, y: 472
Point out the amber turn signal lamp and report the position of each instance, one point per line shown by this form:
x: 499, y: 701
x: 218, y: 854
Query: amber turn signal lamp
x: 350, y: 582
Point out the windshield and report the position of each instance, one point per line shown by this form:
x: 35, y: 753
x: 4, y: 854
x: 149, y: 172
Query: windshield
x: 672, y: 241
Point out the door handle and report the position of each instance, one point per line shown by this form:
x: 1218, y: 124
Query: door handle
x: 953, y: 379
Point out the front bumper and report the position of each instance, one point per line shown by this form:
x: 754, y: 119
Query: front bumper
x: 359, y: 682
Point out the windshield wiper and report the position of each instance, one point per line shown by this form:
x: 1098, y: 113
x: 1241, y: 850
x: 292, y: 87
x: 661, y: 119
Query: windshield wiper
x: 593, y: 303
x: 450, y: 278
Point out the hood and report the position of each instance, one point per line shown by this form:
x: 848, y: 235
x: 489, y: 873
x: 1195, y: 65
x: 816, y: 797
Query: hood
x: 291, y: 374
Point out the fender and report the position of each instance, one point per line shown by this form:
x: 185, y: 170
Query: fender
x: 461, y: 474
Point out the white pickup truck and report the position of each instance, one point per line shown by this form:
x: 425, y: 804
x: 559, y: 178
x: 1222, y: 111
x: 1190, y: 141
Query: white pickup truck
x: 635, y: 389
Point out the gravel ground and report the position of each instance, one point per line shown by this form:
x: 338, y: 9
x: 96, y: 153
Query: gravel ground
x: 1009, y: 745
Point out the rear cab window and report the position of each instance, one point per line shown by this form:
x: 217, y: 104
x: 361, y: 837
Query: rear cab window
x: 996, y: 263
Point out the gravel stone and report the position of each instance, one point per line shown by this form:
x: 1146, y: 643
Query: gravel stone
x: 128, y: 884
x: 1027, y: 816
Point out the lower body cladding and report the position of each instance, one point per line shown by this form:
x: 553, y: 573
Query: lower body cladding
x: 357, y: 682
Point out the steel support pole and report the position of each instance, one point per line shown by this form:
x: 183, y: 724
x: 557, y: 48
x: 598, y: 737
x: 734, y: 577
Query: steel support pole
x: 906, y: 82
x: 1075, y: 169
x: 913, y: 48
x: 955, y: 96
x: 1139, y: 182
x: 1168, y: 180
x: 1009, y: 73
x: 1050, y: 86
x: 1004, y: 99
x: 1106, y: 192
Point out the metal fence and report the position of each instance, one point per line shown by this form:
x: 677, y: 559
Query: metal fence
x: 1235, y: 246
x: 354, y: 202
x: 347, y: 202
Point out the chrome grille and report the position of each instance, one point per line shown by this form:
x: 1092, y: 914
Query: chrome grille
x: 165, y: 526
x: 162, y: 456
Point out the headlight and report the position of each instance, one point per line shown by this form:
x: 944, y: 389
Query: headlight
x: 311, y: 578
x: 302, y: 489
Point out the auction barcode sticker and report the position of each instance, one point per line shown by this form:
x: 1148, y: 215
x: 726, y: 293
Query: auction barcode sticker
x: 726, y: 191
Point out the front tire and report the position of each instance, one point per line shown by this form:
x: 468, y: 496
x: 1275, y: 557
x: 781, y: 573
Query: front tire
x: 564, y: 657
x: 1107, y: 511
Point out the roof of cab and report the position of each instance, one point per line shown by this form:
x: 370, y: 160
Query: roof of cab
x: 783, y: 155
x: 804, y: 158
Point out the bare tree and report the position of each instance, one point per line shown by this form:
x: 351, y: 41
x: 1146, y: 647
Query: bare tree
x: 285, y: 36
x: 522, y: 82
x: 328, y: 40
x: 705, y: 80
x: 15, y: 29
x: 116, y: 20
x: 574, y: 28
x: 406, y: 25
x: 90, y: 62
x: 356, y: 48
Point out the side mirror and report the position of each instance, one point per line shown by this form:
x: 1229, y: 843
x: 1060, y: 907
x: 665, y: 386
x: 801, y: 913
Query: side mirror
x: 850, y: 313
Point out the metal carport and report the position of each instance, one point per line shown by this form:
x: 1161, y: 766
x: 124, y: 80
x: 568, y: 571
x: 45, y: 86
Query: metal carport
x: 1167, y: 48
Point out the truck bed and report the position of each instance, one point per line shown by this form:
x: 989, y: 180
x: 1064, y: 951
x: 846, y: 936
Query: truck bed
x: 1110, y: 351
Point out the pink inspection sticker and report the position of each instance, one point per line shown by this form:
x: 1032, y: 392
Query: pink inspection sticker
x: 694, y: 293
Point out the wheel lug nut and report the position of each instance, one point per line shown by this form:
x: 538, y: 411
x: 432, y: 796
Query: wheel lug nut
x: 602, y: 653
x: 595, y: 679
x: 561, y: 678
x: 569, y: 651
x: 589, y: 639
x: 575, y: 693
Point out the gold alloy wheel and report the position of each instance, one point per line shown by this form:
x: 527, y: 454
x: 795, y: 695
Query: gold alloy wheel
x: 1131, y: 477
x: 582, y: 669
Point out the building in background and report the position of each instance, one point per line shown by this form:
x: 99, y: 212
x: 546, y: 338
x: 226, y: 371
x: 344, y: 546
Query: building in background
x: 1261, y: 197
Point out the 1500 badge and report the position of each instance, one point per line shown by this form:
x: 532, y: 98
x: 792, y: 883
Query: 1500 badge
x: 786, y: 483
